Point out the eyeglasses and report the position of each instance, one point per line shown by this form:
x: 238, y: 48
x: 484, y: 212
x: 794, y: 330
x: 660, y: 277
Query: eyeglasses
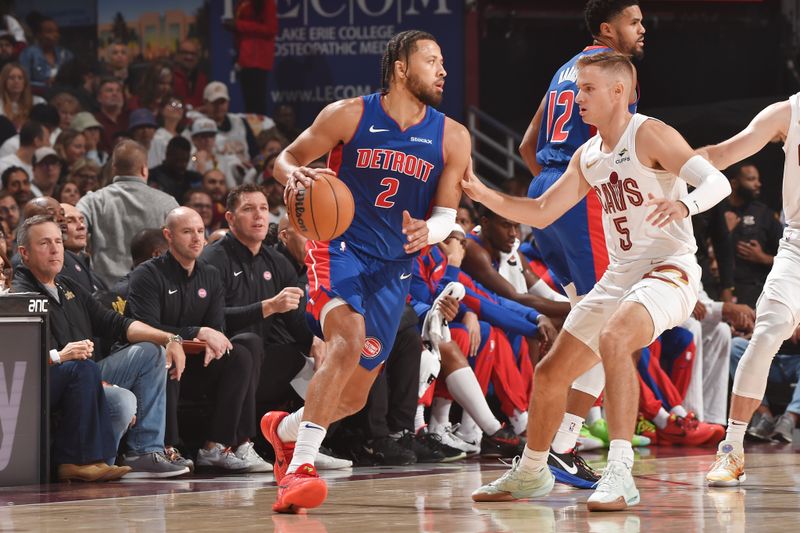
x: 176, y: 104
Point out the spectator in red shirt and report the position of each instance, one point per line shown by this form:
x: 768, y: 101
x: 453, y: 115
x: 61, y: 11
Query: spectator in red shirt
x: 188, y: 79
x: 113, y: 114
x: 255, y: 27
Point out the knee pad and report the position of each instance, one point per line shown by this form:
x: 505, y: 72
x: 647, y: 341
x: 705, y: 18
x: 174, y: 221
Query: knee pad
x: 592, y: 382
x: 774, y: 324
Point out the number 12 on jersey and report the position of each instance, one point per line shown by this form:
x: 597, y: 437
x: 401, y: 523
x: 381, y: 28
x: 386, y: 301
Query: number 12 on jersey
x: 565, y: 99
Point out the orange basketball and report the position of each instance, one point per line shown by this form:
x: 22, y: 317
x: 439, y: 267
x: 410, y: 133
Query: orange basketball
x: 323, y: 211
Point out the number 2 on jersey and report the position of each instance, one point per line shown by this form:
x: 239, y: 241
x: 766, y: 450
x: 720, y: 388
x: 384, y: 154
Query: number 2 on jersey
x: 383, y: 199
x: 556, y: 132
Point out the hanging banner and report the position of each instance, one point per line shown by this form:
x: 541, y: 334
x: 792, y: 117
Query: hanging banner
x: 327, y: 50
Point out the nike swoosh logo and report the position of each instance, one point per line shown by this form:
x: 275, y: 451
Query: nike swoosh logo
x: 173, y: 291
x: 237, y: 273
x: 372, y: 129
x: 572, y: 469
x: 590, y: 164
x: 405, y: 276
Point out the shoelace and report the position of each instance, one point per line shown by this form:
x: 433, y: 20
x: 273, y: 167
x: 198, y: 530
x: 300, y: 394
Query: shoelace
x: 610, y: 476
x: 580, y: 462
x: 726, y: 461
x: 508, y: 474
x: 645, y: 426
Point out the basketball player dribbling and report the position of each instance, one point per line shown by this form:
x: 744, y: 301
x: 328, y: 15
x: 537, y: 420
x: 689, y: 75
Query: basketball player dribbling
x: 402, y: 160
x: 777, y: 309
x: 573, y: 247
x: 633, y: 164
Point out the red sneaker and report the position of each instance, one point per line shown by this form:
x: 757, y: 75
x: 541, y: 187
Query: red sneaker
x: 302, y: 489
x: 684, y: 432
x: 283, y: 450
x: 717, y: 431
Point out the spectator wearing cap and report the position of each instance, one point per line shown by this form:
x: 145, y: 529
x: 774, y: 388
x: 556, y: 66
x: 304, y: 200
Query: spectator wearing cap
x: 189, y: 80
x: 46, y: 171
x: 116, y: 212
x: 172, y: 176
x: 113, y: 115
x: 234, y: 133
x: 32, y: 136
x: 142, y: 128
x: 255, y: 26
x: 204, y: 132
x: 92, y: 130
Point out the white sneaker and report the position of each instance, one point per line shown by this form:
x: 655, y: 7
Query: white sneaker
x: 327, y: 462
x: 516, y: 484
x: 222, y: 458
x: 472, y: 443
x: 448, y: 437
x: 728, y: 469
x: 616, y: 490
x: 255, y: 463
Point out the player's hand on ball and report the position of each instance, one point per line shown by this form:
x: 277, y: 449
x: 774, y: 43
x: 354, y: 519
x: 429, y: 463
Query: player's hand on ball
x: 666, y: 211
x: 416, y: 231
x: 303, y: 176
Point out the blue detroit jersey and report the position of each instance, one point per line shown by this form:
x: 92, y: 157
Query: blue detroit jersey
x: 562, y: 130
x: 388, y: 170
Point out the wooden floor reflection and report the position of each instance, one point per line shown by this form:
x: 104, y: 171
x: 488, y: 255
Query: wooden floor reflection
x: 423, y: 498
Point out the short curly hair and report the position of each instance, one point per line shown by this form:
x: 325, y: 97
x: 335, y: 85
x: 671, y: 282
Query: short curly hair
x: 598, y: 11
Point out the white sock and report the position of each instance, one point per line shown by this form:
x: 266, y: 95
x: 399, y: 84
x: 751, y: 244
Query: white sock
x: 533, y: 461
x: 519, y: 421
x: 679, y: 411
x: 621, y: 450
x: 440, y: 413
x: 661, y: 418
x: 468, y: 428
x: 595, y: 414
x: 309, y: 439
x: 464, y: 387
x: 736, y: 431
x: 287, y: 429
x: 567, y: 434
x: 419, y: 417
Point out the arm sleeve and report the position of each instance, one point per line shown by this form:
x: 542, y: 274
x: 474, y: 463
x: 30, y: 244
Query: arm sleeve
x: 711, y: 185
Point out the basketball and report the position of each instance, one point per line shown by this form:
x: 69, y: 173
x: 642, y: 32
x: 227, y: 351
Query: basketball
x: 323, y: 211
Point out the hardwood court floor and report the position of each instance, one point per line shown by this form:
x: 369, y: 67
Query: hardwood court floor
x: 424, y: 498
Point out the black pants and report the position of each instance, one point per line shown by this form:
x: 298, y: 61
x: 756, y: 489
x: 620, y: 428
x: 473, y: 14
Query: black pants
x: 254, y: 89
x: 392, y: 401
x: 83, y: 432
x: 282, y: 362
x: 230, y: 383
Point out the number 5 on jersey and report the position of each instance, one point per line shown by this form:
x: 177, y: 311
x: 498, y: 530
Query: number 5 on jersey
x: 384, y: 199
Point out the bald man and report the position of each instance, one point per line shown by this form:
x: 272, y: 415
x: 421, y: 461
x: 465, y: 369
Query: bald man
x: 114, y: 214
x: 177, y: 293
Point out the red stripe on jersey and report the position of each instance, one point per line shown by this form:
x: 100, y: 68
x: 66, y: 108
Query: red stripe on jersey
x: 335, y: 158
x: 318, y: 261
x: 597, y: 236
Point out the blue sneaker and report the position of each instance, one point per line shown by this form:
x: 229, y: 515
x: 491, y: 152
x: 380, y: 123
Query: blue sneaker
x: 571, y: 469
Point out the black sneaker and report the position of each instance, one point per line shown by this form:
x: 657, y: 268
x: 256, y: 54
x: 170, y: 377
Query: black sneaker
x: 434, y: 442
x: 385, y: 451
x: 570, y: 468
x: 504, y: 443
x: 421, y: 448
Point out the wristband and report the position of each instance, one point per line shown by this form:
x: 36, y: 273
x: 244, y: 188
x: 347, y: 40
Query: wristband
x: 54, y: 357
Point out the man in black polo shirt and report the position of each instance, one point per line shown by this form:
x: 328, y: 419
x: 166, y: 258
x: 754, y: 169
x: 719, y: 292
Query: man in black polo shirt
x: 177, y: 293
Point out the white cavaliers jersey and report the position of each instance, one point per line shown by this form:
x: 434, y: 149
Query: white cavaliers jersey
x: 622, y: 184
x: 791, y: 167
